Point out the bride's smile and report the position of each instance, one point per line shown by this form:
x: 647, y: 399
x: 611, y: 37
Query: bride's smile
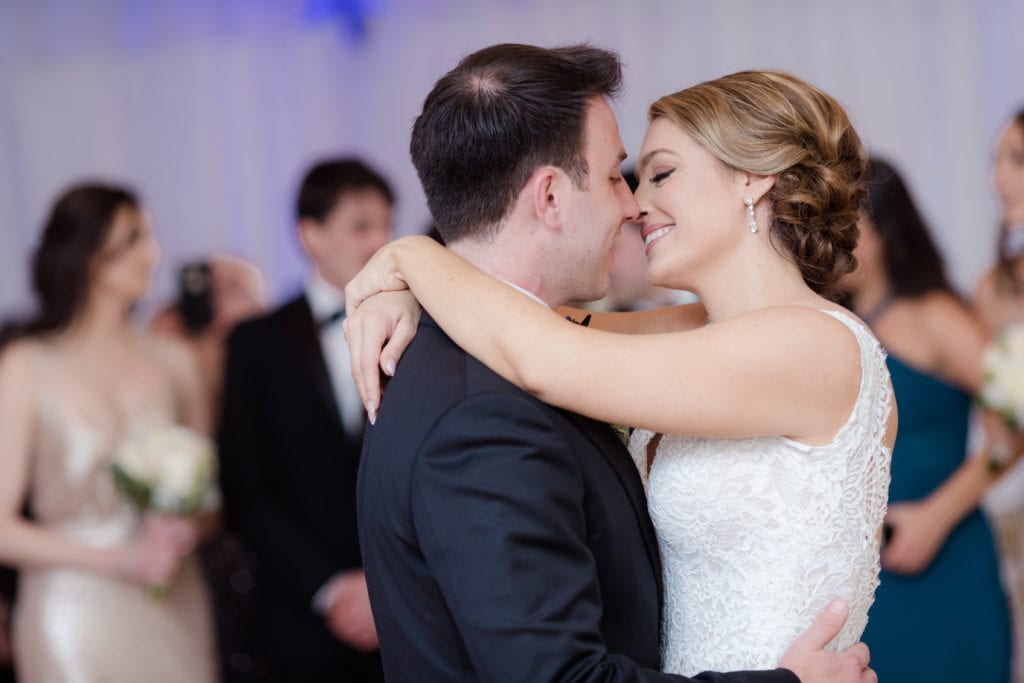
x: 653, y: 233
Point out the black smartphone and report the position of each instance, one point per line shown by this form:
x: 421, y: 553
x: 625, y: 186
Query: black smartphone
x: 195, y: 300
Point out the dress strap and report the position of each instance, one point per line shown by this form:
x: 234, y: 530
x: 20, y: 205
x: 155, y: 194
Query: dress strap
x: 874, y: 398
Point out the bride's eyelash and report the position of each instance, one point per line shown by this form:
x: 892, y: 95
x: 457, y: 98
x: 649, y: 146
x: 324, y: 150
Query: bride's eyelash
x: 658, y: 178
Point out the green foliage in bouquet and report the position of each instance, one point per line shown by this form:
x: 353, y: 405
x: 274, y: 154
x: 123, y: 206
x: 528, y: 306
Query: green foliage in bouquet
x: 135, y: 491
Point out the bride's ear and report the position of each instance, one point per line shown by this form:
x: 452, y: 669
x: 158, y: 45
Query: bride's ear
x: 546, y: 192
x: 756, y: 186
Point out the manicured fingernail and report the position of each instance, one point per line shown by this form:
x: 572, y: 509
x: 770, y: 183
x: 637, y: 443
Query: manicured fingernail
x: 390, y: 367
x: 837, y: 607
x: 371, y: 413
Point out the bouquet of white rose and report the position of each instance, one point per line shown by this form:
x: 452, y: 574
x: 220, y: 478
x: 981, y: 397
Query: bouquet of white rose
x: 1002, y: 389
x: 1002, y: 393
x: 168, y: 469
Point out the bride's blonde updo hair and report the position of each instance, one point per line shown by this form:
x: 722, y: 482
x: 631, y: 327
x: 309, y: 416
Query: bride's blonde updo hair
x: 772, y: 123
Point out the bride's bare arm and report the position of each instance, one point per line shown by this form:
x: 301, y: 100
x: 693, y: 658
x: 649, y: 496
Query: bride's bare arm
x: 387, y: 324
x: 24, y: 543
x: 678, y: 318
x: 789, y: 371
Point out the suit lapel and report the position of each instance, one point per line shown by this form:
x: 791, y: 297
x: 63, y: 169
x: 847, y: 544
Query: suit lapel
x: 608, y: 443
x: 312, y: 359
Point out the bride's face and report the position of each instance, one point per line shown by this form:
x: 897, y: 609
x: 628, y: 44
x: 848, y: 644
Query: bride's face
x: 692, y: 206
x: 124, y: 266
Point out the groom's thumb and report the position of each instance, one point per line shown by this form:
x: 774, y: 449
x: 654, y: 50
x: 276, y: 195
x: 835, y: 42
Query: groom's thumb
x: 826, y: 626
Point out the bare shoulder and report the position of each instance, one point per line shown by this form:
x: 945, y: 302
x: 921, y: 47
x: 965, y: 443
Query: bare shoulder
x: 19, y: 357
x: 819, y: 327
x: 806, y: 340
x: 941, y: 309
x: 950, y: 328
x: 20, y: 365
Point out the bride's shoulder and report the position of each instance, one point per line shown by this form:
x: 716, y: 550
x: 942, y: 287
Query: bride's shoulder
x: 805, y: 340
x: 830, y: 328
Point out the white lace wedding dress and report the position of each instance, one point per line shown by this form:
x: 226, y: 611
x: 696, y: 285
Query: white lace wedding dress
x: 759, y: 535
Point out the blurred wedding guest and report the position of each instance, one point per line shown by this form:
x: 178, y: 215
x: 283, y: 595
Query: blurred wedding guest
x: 629, y: 288
x: 291, y: 435
x: 75, y: 380
x: 999, y: 299
x: 216, y: 294
x: 940, y: 613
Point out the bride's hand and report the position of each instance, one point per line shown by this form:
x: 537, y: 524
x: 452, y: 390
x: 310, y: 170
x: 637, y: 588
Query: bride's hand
x: 378, y: 332
x: 918, y: 532
x: 381, y: 273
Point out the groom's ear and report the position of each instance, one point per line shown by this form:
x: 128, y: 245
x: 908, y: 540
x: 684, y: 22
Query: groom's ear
x: 546, y: 191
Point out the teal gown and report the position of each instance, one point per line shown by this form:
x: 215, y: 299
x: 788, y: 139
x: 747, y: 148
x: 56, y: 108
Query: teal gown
x: 951, y: 622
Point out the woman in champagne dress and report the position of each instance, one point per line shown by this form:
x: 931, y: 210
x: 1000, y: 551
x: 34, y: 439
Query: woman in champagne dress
x: 75, y: 381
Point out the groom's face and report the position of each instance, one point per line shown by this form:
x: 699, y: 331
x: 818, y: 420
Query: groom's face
x: 596, y: 211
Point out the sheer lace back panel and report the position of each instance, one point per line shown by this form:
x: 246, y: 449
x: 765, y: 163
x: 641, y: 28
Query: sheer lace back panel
x: 758, y: 535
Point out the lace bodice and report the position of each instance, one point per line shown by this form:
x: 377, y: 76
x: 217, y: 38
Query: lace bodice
x: 758, y: 535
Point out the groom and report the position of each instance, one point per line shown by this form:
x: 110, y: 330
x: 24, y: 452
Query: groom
x: 503, y: 539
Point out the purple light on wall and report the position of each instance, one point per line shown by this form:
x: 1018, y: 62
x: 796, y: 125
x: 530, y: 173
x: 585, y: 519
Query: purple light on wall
x: 353, y: 14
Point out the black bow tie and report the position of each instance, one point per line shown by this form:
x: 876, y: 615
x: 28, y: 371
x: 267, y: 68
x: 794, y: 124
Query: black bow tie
x: 337, y: 316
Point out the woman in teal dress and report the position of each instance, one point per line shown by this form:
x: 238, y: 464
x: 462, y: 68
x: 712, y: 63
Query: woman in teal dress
x: 940, y: 613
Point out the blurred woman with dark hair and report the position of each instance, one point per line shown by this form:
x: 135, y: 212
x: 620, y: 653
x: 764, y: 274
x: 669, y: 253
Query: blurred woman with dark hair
x: 940, y: 613
x: 74, y: 381
x: 999, y: 299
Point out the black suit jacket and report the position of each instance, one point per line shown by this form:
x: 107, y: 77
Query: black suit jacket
x: 288, y: 473
x: 505, y: 540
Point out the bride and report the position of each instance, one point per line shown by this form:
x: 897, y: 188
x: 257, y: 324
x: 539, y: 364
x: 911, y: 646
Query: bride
x: 765, y: 430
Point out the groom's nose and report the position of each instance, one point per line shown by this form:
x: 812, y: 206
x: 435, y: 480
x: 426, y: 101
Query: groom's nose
x: 630, y: 209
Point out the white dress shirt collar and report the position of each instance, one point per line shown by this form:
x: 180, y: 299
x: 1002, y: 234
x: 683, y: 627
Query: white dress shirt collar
x: 323, y: 297
x: 324, y: 301
x: 528, y: 293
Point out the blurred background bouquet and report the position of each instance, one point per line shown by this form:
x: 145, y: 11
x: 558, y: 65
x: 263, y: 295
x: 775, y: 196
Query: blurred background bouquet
x: 1002, y: 390
x: 167, y: 471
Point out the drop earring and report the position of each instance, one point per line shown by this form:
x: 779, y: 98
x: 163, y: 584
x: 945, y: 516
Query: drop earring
x: 752, y: 225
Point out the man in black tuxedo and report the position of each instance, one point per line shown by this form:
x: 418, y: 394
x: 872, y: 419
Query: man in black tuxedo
x: 506, y: 540
x: 290, y: 441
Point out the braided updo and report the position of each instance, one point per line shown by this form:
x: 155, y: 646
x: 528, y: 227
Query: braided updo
x: 772, y: 123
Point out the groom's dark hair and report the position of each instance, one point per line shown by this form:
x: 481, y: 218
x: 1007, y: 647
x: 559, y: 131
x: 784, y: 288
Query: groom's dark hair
x: 502, y: 113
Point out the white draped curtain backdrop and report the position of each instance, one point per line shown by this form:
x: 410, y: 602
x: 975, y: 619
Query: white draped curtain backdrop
x: 212, y: 110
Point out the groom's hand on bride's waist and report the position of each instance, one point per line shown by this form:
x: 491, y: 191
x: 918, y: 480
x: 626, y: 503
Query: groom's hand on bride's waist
x: 808, y: 659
